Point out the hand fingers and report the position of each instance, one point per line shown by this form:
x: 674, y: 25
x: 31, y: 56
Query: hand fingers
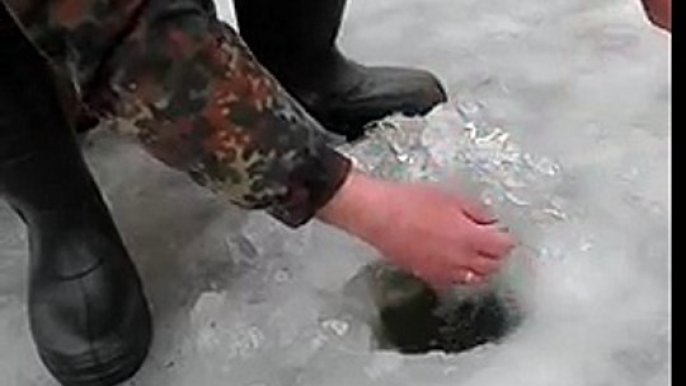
x: 466, y: 276
x: 470, y: 276
x: 483, y: 266
x: 492, y: 242
x: 447, y: 278
x: 477, y: 212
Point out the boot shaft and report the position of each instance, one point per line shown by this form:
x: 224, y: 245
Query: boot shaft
x: 41, y: 168
x: 277, y: 29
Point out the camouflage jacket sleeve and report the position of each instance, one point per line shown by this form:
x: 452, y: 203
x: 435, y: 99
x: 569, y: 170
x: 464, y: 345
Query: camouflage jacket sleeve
x: 197, y: 98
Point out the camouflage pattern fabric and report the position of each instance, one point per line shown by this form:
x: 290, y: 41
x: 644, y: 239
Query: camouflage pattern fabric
x: 195, y: 95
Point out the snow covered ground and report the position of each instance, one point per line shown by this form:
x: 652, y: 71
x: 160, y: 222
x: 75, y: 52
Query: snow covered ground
x: 240, y: 300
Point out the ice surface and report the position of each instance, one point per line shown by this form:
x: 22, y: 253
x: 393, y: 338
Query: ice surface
x: 559, y: 116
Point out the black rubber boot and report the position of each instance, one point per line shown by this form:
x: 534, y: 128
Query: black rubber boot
x: 296, y: 41
x: 89, y: 318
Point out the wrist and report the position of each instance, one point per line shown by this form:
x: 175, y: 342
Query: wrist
x: 357, y: 207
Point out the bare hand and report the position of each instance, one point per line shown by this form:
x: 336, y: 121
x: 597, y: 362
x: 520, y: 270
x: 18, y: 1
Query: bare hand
x: 441, y: 238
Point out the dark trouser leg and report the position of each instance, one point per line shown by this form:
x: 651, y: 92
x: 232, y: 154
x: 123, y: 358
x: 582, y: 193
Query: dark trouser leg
x: 296, y: 40
x: 88, y: 315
